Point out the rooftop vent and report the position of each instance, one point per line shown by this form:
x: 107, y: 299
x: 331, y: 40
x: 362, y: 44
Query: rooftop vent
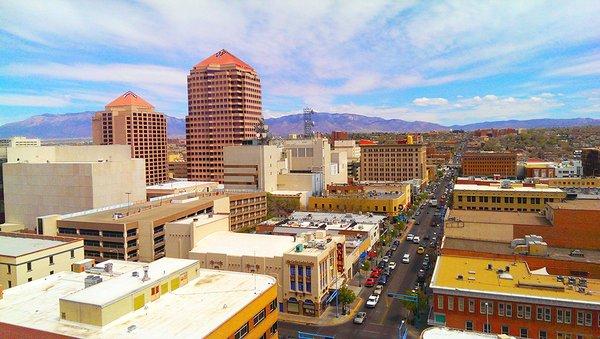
x: 505, y: 276
x: 459, y: 277
x: 471, y: 278
x: 146, y: 276
x: 117, y: 216
x: 490, y: 267
x: 92, y: 280
x: 108, y: 267
x: 135, y: 274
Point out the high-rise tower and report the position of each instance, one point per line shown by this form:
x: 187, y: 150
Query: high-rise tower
x: 131, y: 120
x: 224, y: 106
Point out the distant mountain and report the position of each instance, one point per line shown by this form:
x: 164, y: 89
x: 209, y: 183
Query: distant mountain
x: 79, y: 125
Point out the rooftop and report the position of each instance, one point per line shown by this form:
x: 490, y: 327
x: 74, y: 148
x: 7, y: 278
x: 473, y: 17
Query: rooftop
x: 518, y: 282
x: 474, y: 187
x: 223, y: 57
x: 130, y: 99
x: 496, y: 217
x: 577, y: 204
x: 447, y: 333
x: 18, y: 244
x: 366, y: 218
x: 259, y: 245
x: 182, y: 184
x: 36, y: 305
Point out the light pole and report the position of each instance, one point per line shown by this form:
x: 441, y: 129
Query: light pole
x: 128, y: 194
x: 487, y: 318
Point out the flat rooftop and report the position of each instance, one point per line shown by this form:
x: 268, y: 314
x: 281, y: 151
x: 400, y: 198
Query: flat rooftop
x: 120, y: 286
x: 498, y: 217
x: 245, y: 244
x: 144, y: 211
x: 181, y: 184
x: 474, y: 187
x: 201, y: 219
x: 519, y: 283
x: 503, y: 248
x: 36, y: 305
x: 444, y: 332
x: 366, y: 218
x: 577, y: 204
x: 14, y: 245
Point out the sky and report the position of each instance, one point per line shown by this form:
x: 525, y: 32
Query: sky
x: 449, y: 62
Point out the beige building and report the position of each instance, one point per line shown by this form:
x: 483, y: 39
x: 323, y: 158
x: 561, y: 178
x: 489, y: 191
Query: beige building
x: 131, y: 120
x: 64, y: 179
x: 253, y: 167
x: 131, y: 232
x: 169, y: 297
x: 25, y: 257
x: 393, y: 162
x: 180, y: 187
x: 307, y: 267
x: 315, y: 156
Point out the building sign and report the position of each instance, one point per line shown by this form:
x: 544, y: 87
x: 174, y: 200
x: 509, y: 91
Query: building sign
x: 340, y: 257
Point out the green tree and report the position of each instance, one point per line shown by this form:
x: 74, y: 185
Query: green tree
x: 411, y: 306
x: 366, y: 266
x: 346, y: 296
x: 281, y: 207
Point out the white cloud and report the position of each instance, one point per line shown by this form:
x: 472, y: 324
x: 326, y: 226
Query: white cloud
x: 582, y: 68
x: 33, y: 100
x: 430, y: 101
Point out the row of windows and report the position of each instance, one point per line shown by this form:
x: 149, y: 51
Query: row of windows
x: 243, y: 331
x: 523, y: 331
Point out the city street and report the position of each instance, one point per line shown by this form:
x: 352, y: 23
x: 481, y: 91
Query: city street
x: 383, y: 320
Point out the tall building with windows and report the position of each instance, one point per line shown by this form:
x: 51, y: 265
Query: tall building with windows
x: 488, y: 164
x: 393, y: 162
x: 224, y: 106
x: 590, y: 160
x: 131, y: 120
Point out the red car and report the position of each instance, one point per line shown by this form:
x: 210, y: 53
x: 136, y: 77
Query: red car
x: 370, y: 282
x: 375, y: 274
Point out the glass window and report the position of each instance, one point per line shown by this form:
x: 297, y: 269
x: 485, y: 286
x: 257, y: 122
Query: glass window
x: 300, y: 270
x: 486, y: 328
x: 273, y: 305
x: 440, y: 302
x: 469, y: 325
x: 260, y: 316
x: 242, y: 332
x: 471, y: 305
x: 450, y: 303
x: 292, y: 270
x: 524, y: 333
x: 543, y: 335
x: 308, y: 271
x: 580, y: 318
x: 501, y: 309
x: 28, y: 266
x: 461, y: 304
x: 508, y: 310
x: 308, y: 287
x: 292, y: 285
x: 504, y: 329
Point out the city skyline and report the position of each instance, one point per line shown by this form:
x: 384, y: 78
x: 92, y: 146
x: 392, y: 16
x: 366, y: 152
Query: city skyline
x: 439, y: 62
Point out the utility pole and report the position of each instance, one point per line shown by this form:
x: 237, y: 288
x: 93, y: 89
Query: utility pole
x: 128, y: 194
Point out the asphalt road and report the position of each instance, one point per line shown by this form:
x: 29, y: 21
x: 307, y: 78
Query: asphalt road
x: 383, y: 320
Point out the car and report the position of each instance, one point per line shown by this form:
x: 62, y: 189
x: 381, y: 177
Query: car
x: 394, y: 248
x: 426, y: 237
x: 432, y: 244
x: 382, y: 280
x: 378, y: 289
x: 409, y: 237
x: 433, y: 239
x: 372, y: 301
x: 396, y: 242
x: 420, y: 250
x: 385, y: 259
x: 389, y: 253
x: 421, y: 276
x: 382, y: 264
x: 360, y: 317
x: 416, y: 240
x: 387, y: 271
x: 406, y: 258
x: 370, y: 282
x: 392, y: 265
x: 375, y: 274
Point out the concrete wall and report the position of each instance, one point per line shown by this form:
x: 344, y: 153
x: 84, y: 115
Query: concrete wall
x: 43, y: 154
x: 181, y: 236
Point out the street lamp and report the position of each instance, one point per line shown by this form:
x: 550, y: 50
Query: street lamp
x: 487, y: 318
x: 128, y: 194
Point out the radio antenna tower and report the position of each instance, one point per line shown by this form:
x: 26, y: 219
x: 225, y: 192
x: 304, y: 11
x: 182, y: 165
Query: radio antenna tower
x: 308, y: 123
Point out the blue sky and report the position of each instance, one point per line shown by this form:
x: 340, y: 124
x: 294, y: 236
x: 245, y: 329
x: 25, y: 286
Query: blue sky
x: 446, y: 62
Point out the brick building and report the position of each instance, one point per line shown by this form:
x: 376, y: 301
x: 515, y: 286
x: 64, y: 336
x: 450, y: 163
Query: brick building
x: 504, y: 296
x: 224, y: 106
x: 489, y: 164
x: 131, y: 120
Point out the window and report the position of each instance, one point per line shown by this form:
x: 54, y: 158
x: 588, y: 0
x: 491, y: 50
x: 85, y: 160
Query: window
x: 544, y: 314
x: 29, y: 279
x: 588, y: 319
x: 461, y: 304
x: 563, y: 335
x: 504, y: 329
x: 308, y: 287
x: 155, y: 290
x: 469, y: 325
x: 72, y: 254
x: 292, y: 285
x: 242, y: 332
x: 471, y: 305
x: 308, y: 271
x: 300, y: 286
x: 51, y: 272
x: 501, y: 309
x: 440, y: 302
x: 450, y: 303
x: 292, y: 270
x: 524, y: 333
x: 273, y: 305
x: 543, y: 335
x: 274, y: 328
x: 51, y: 259
x: 28, y: 267
x: 580, y: 318
x: 486, y: 306
x: 9, y: 284
x: 524, y: 311
x: 487, y: 328
x: 300, y: 270
x: 508, y: 308
x: 8, y: 269
x: 260, y: 316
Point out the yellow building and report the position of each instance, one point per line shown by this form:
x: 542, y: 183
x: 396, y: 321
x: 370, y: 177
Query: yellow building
x: 505, y: 197
x: 374, y: 201
x: 140, y: 300
x: 25, y: 257
x: 573, y: 182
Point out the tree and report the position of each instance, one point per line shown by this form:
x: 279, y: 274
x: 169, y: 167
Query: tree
x: 366, y: 266
x: 281, y: 207
x: 411, y: 306
x: 346, y: 296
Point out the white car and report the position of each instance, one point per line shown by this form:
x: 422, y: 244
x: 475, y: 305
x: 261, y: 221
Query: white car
x: 406, y: 258
x: 409, y: 237
x: 372, y: 301
x: 360, y: 317
x: 392, y: 265
x: 385, y: 259
x: 416, y: 240
x: 378, y: 289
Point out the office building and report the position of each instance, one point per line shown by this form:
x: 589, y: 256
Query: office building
x: 506, y: 196
x: 170, y: 297
x: 504, y: 296
x: 489, y: 164
x: 307, y: 267
x: 570, y: 224
x: 569, y: 169
x: 253, y: 167
x: 64, y: 179
x: 25, y: 257
x: 590, y: 161
x: 352, y: 150
x: 315, y: 156
x: 246, y: 209
x: 131, y: 232
x: 224, y: 106
x: 392, y: 162
x: 539, y: 169
x: 131, y: 120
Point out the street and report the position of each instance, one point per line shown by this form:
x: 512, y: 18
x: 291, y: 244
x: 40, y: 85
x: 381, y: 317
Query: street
x: 383, y: 320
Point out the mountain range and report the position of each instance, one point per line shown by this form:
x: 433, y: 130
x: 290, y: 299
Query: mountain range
x: 79, y: 125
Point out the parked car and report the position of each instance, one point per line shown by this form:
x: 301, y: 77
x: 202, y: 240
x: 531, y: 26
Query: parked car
x: 420, y: 250
x: 385, y: 259
x: 392, y: 265
x: 406, y: 258
x: 378, y: 289
x: 372, y: 301
x: 360, y: 317
x: 370, y: 282
x: 382, y: 264
x: 387, y: 271
x: 396, y: 242
x: 416, y: 240
x: 410, y: 237
x: 394, y: 248
x: 375, y: 274
x: 382, y: 280
x: 389, y: 253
